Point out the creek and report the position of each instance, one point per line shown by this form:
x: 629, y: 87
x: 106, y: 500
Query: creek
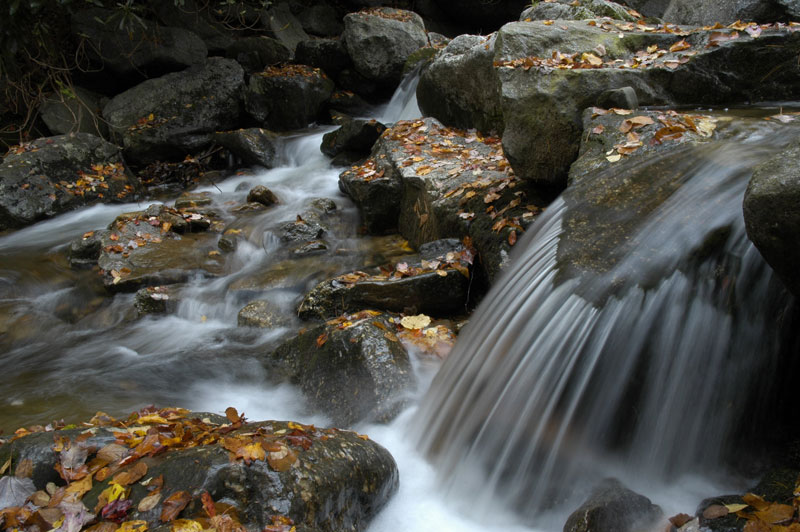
x: 535, y: 402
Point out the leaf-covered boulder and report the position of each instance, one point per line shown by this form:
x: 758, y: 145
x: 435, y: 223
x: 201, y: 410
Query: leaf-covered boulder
x: 288, y: 97
x: 175, y: 114
x: 157, y: 246
x: 537, y: 77
x: 252, y: 146
x: 432, y: 182
x: 135, y: 48
x: 379, y: 40
x: 170, y: 468
x: 613, y: 508
x: 436, y: 283
x: 51, y: 175
x: 724, y: 12
x: 772, y: 214
x: 352, y: 369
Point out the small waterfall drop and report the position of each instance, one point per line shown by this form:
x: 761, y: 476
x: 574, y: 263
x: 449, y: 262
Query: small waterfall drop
x: 403, y: 105
x: 624, y: 340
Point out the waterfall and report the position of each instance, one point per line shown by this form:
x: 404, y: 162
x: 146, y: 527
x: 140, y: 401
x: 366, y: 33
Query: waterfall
x: 625, y: 339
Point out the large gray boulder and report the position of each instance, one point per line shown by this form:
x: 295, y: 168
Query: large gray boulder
x: 76, y: 110
x: 581, y: 10
x: 173, y: 115
x: 772, y: 214
x: 379, y: 41
x: 288, y: 97
x: 284, y: 26
x: 51, y: 175
x: 613, y: 508
x: 537, y: 77
x: 253, y: 146
x: 709, y: 12
x: 142, y: 49
x: 352, y: 369
x: 264, y: 474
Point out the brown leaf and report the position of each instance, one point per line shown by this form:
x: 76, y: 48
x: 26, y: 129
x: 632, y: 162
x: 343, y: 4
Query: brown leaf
x: 755, y: 501
x: 680, y: 519
x: 715, y: 511
x: 24, y: 469
x: 776, y: 514
x: 232, y: 415
x: 282, y: 460
x: 131, y: 475
x: 321, y: 339
x: 679, y: 46
x: 113, y: 452
x: 598, y: 130
x: 149, y: 502
x: 208, y: 504
x: 173, y: 505
x: 512, y: 238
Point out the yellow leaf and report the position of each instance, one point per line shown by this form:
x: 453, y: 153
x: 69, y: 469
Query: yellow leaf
x: 112, y: 492
x: 186, y: 525
x: 419, y: 321
x: 614, y: 158
x: 151, y: 418
x: 733, y: 508
x: 133, y: 526
x: 79, y: 487
x: 424, y: 170
x: 591, y: 59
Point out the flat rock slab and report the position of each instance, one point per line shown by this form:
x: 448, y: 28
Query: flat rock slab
x: 432, y: 182
x: 177, y: 467
x: 51, y: 175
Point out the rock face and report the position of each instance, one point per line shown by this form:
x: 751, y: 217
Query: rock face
x: 173, y: 115
x: 613, y: 508
x: 432, y: 182
x: 772, y: 214
x: 148, y: 50
x: 289, y: 97
x: 353, y: 141
x: 52, y: 175
x: 328, y: 54
x: 436, y: 283
x: 513, y: 83
x: 262, y: 314
x: 257, y: 53
x: 324, y: 480
x: 352, y: 369
x: 253, y: 146
x: 570, y: 10
x: 379, y: 41
x: 75, y: 112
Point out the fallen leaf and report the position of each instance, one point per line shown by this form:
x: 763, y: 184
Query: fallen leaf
x: 776, y: 514
x: 132, y: 526
x: 149, y: 502
x: 24, y: 469
x: 598, y: 130
x: 186, y: 525
x: 715, y: 511
x: 134, y: 474
x: 14, y: 491
x: 208, y: 504
x: 173, y: 505
x: 321, y: 339
x: 79, y: 487
x: 679, y: 46
x: 419, y: 321
x: 282, y: 460
x: 512, y: 238
x: 117, y: 510
x: 614, y: 158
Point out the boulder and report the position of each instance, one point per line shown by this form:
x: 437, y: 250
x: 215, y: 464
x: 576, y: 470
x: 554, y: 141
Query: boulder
x: 252, y: 146
x: 157, y: 246
x: 537, y: 77
x: 255, y: 53
x: 328, y: 54
x: 437, y: 284
x: 321, y: 19
x: 173, y: 115
x: 262, y: 476
x: 263, y: 195
x: 772, y: 214
x: 288, y: 97
x: 379, y: 40
x: 262, y: 314
x: 199, y: 20
x: 705, y: 13
x: 193, y: 200
x: 283, y: 25
x: 51, y: 175
x: 143, y: 50
x: 571, y: 10
x: 352, y: 369
x: 432, y: 182
x: 155, y: 300
x: 613, y: 508
x: 74, y: 111
x: 346, y: 102
x: 353, y: 141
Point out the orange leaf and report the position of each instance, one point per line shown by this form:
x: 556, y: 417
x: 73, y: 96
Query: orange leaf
x: 680, y: 45
x: 776, y: 513
x: 208, y: 504
x: 173, y: 505
x: 321, y: 339
x: 132, y: 475
x: 512, y: 238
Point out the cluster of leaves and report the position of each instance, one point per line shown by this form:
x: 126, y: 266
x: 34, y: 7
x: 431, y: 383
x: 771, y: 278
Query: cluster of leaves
x: 90, y: 182
x: 673, y: 126
x: 292, y: 70
x: 402, y: 16
x: 184, y: 173
x: 149, y: 122
x: 147, y: 433
x: 761, y: 515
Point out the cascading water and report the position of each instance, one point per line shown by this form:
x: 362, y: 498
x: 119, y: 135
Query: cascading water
x: 624, y: 340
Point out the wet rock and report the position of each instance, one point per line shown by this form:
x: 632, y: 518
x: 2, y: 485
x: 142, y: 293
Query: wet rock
x: 283, y: 25
x: 169, y: 116
x: 228, y: 243
x: 724, y: 12
x: 258, y: 52
x: 623, y: 98
x: 263, y: 195
x: 51, y: 175
x: 325, y: 480
x: 313, y: 247
x: 253, y: 146
x: 354, y: 139
x: 380, y: 40
x: 437, y: 284
x: 75, y: 111
x: 301, y: 230
x: 249, y: 207
x: 509, y: 84
x: 352, y: 81
x: 154, y: 247
x: 328, y: 54
x: 432, y: 182
x: 144, y: 50
x: 347, y: 102
x: 581, y: 10
x: 196, y: 19
x: 155, y: 300
x: 290, y: 97
x: 193, y: 200
x: 262, y: 314
x: 84, y: 252
x: 613, y: 508
x: 321, y: 19
x: 352, y: 369
x: 772, y: 216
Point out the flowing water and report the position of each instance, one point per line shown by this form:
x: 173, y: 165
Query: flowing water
x: 572, y: 369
